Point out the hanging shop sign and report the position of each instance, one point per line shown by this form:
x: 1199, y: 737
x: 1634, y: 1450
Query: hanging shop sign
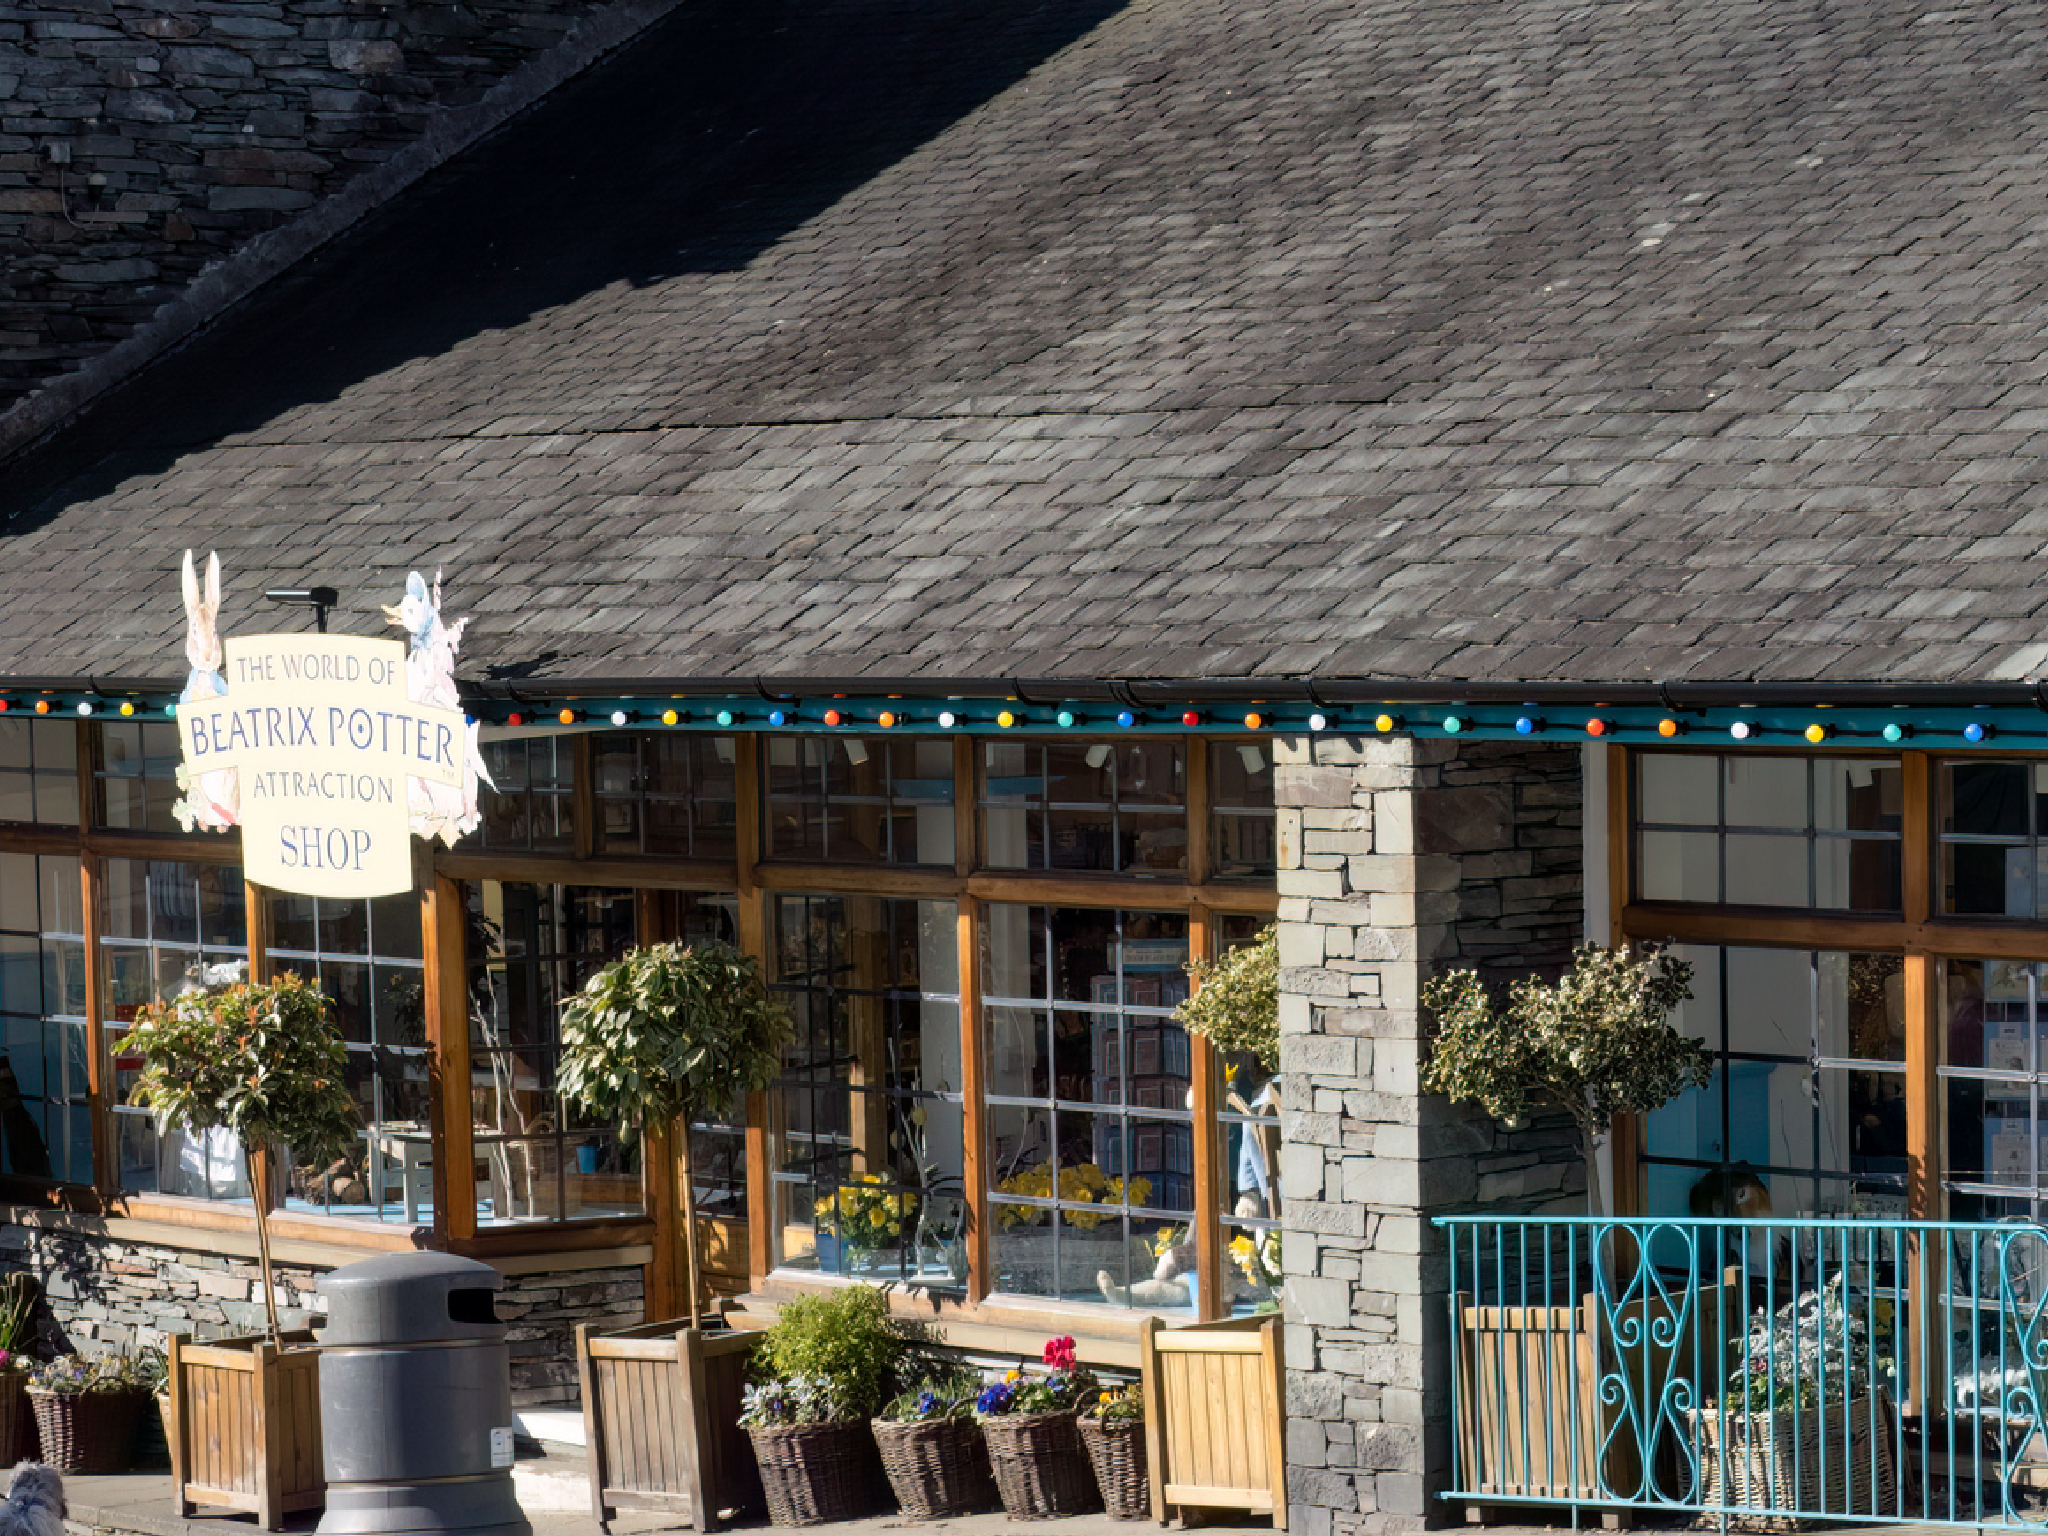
x: 328, y: 751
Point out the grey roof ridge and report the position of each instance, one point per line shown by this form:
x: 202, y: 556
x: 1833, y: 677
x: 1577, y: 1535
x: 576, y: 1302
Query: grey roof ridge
x: 223, y: 285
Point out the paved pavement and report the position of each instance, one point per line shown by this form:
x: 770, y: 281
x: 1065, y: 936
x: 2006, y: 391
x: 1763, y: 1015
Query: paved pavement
x: 139, y: 1504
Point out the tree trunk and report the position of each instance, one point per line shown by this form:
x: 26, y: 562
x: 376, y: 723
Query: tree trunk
x: 689, y: 1221
x: 261, y: 1197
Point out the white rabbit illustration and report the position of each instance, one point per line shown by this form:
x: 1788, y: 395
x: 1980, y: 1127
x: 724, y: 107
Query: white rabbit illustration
x: 438, y: 810
x: 212, y: 800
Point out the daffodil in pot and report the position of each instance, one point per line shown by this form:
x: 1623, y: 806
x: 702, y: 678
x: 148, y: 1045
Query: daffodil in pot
x: 1113, y: 1431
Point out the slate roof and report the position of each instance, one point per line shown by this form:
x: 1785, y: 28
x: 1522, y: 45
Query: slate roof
x: 1665, y: 339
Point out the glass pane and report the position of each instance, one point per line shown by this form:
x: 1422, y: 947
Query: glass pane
x: 1985, y: 799
x: 1766, y: 871
x: 1678, y: 787
x: 1857, y: 876
x: 1855, y: 795
x: 1987, y: 879
x: 1764, y: 791
x: 1770, y: 1003
x: 1680, y: 866
x: 1863, y: 1006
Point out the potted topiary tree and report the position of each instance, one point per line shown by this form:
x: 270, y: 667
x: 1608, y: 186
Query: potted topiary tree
x: 664, y: 1036
x: 1596, y: 1043
x: 264, y: 1061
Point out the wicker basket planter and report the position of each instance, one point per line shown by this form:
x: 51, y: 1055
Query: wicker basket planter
x: 1117, y: 1452
x: 17, y: 1420
x: 937, y: 1469
x: 1041, y: 1469
x: 814, y: 1473
x: 1764, y: 1466
x: 87, y: 1431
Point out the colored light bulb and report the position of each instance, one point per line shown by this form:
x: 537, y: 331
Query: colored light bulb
x: 1816, y: 733
x: 620, y: 717
x: 42, y: 706
x: 670, y: 717
x: 1006, y: 719
x: 127, y: 709
x: 567, y: 717
x: 84, y: 708
x: 170, y: 709
x: 726, y: 717
x: 1191, y: 718
x: 1453, y: 724
x: 1254, y: 722
x: 1528, y: 725
x: 778, y: 717
x: 515, y: 719
x: 1975, y: 732
x: 886, y: 720
x: 947, y: 719
x: 1384, y: 723
x: 1066, y: 718
x: 1742, y: 730
x: 1319, y: 722
x: 1126, y: 719
x: 1668, y: 727
x: 1896, y: 732
x: 1597, y: 727
x: 832, y: 717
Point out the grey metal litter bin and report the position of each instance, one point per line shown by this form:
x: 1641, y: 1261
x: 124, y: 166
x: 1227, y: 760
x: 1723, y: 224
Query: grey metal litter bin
x: 416, y: 1400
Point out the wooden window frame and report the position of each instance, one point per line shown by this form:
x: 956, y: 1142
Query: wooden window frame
x: 441, y: 876
x: 1922, y: 937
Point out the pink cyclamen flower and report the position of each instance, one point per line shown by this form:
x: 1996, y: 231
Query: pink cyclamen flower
x: 1059, y: 1353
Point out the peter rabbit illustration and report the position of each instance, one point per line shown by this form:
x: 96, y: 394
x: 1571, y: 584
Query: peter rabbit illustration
x: 212, y: 800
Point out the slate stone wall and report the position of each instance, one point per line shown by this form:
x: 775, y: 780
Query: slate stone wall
x: 107, y: 1294
x: 1399, y: 858
x: 138, y: 142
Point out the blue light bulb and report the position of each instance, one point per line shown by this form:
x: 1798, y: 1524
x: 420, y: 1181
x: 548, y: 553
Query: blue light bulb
x: 1126, y: 719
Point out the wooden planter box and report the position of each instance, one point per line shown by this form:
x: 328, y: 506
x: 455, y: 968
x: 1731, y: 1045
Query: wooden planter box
x: 661, y: 1407
x: 245, y: 1426
x: 1214, y: 1435
x: 1529, y: 1422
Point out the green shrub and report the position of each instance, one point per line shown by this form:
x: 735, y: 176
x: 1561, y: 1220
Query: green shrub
x: 846, y: 1337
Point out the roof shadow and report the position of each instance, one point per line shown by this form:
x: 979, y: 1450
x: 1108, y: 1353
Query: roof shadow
x: 722, y: 129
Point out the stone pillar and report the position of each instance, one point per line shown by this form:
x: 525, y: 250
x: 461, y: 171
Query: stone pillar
x: 1397, y: 858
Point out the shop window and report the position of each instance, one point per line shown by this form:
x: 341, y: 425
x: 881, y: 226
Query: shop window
x: 365, y: 955
x: 39, y: 772
x: 1079, y: 805
x: 530, y: 804
x: 1806, y: 1111
x: 1248, y: 1141
x: 871, y: 1118
x: 45, y: 1114
x: 1091, y: 1138
x: 672, y: 795
x: 537, y: 1158
x: 1241, y: 822
x: 1994, y: 1075
x: 1994, y: 839
x: 167, y: 928
x: 860, y: 799
x: 1748, y: 830
x: 135, y: 775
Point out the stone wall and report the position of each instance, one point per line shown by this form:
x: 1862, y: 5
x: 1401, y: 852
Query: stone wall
x: 138, y: 142
x: 1399, y: 858
x: 107, y: 1294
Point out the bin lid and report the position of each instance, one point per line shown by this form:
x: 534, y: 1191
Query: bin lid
x: 407, y: 1298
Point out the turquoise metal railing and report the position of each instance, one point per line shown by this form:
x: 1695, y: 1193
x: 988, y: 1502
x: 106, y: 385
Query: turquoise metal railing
x: 1786, y: 1370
